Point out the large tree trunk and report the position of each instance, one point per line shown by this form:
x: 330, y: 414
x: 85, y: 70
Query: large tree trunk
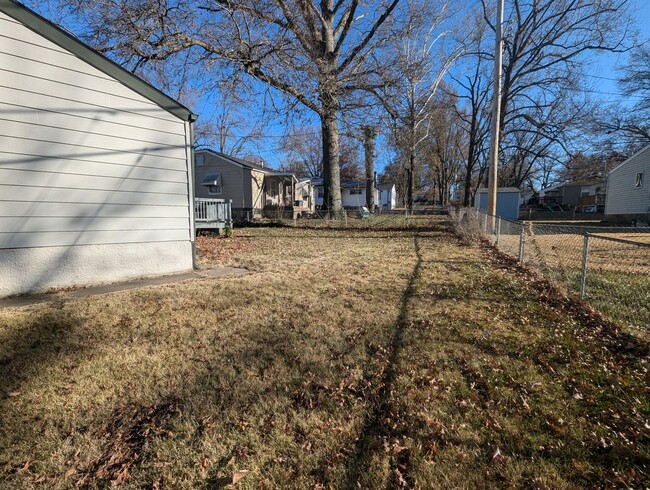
x: 369, y: 150
x: 467, y: 197
x: 409, y: 181
x: 331, y: 170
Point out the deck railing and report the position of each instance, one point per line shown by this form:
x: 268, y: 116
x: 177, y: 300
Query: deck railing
x: 213, y: 213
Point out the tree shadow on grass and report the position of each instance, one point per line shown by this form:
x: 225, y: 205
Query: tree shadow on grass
x: 26, y: 347
x: 376, y: 428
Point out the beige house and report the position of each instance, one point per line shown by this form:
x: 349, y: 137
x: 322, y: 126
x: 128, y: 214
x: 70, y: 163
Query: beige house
x: 255, y: 191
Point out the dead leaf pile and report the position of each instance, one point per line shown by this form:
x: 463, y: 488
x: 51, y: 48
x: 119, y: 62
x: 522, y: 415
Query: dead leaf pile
x: 126, y: 436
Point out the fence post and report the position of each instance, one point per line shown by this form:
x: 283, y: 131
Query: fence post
x: 583, y: 272
x: 522, y: 242
x: 498, y: 231
x: 485, y: 222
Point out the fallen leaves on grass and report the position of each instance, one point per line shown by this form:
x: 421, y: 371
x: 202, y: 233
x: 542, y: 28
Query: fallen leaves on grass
x: 125, y: 438
x: 223, y: 251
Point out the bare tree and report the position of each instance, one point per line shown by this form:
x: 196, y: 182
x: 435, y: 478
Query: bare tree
x: 303, y: 154
x: 624, y: 126
x: 369, y: 135
x: 546, y: 43
x: 412, y: 77
x: 312, y: 52
x: 230, y: 128
x: 445, y: 146
x: 636, y: 80
x: 474, y: 86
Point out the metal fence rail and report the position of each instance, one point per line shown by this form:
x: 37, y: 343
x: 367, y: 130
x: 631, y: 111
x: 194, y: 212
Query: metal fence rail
x: 607, y: 266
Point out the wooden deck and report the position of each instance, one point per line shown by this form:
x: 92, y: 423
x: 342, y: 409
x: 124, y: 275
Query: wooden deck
x: 212, y: 214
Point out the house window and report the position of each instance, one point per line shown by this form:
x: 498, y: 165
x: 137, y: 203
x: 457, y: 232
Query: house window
x: 215, y: 190
x: 638, y: 182
x: 320, y: 192
x: 355, y: 191
x: 212, y: 183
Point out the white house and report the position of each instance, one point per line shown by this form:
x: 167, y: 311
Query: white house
x: 628, y: 189
x: 353, y: 194
x: 387, y: 196
x: 95, y: 165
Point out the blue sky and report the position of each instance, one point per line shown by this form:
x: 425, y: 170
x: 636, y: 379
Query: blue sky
x: 599, y: 82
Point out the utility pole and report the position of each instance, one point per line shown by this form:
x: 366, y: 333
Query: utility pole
x: 496, y: 114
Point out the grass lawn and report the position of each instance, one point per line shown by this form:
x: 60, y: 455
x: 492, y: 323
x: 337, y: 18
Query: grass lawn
x: 351, y: 358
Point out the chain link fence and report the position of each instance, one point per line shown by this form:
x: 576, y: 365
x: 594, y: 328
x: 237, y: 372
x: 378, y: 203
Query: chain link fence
x: 607, y: 266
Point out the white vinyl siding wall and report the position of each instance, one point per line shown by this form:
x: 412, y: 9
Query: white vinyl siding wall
x: 83, y: 158
x: 622, y: 196
x: 93, y: 175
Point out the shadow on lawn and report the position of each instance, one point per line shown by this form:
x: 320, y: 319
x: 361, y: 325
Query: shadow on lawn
x: 25, y: 348
x: 376, y: 429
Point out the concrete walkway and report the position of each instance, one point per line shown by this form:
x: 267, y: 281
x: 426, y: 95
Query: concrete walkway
x: 32, y: 299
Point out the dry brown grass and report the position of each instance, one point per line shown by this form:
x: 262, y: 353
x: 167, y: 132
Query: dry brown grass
x: 350, y: 358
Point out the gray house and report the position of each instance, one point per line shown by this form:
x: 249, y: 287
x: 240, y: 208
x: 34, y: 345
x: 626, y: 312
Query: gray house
x: 628, y: 189
x: 587, y: 197
x: 95, y: 167
x: 255, y: 190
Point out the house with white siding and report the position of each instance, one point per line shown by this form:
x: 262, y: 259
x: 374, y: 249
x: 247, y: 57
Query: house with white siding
x: 387, y: 196
x: 95, y: 165
x: 353, y: 194
x: 628, y: 189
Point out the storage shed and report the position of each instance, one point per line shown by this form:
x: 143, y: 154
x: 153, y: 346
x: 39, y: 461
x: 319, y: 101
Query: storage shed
x: 628, y: 189
x: 95, y: 165
x: 508, y: 199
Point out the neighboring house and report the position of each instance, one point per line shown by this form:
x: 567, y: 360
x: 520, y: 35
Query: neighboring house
x: 255, y: 191
x: 628, y: 189
x: 353, y: 194
x: 387, y: 196
x: 305, y: 195
x: 573, y: 195
x: 508, y: 199
x: 95, y: 167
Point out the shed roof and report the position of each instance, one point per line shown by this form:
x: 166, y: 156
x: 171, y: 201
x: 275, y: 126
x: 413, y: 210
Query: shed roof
x: 69, y: 42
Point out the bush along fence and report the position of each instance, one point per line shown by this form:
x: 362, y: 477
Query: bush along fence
x: 607, y: 266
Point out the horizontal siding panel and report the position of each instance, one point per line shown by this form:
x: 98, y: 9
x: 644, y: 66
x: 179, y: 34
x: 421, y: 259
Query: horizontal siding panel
x: 71, y: 167
x: 80, y: 124
x: 29, y: 193
x: 45, y: 179
x: 88, y: 140
x: 23, y: 151
x: 89, y: 223
x: 60, y: 239
x: 87, y: 95
x: 100, y: 210
x: 12, y: 30
x: 622, y: 196
x: 66, y: 73
x: 54, y: 103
